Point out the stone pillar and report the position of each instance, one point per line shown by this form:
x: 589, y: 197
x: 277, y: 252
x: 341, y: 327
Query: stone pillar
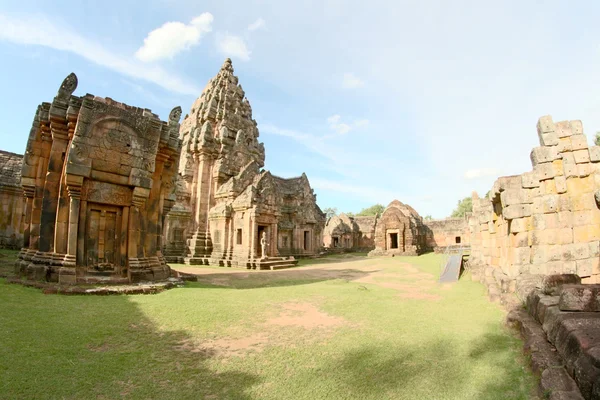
x: 273, y: 250
x: 68, y: 272
x: 201, y: 243
x: 135, y: 249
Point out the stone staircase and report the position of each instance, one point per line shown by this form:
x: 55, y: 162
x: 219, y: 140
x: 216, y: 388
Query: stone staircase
x: 274, y: 263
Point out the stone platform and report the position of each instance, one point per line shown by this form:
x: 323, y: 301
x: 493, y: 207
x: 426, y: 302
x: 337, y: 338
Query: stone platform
x: 564, y: 345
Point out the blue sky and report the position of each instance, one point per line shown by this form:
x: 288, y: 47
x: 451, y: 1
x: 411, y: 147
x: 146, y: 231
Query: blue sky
x: 420, y: 101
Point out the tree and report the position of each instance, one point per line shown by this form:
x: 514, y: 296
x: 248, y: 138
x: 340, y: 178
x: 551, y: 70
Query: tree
x: 371, y: 211
x: 597, y: 139
x: 428, y: 218
x: 330, y: 212
x: 464, y: 206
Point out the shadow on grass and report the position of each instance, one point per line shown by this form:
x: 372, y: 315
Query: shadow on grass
x: 101, y: 347
x: 435, y: 370
x: 288, y: 277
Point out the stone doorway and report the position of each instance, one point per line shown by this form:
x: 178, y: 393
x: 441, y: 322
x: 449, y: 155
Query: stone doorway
x: 103, y: 238
x: 336, y: 241
x: 261, y: 229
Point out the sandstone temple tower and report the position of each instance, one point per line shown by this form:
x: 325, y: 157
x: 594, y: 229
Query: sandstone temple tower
x: 224, y: 200
x: 97, y: 177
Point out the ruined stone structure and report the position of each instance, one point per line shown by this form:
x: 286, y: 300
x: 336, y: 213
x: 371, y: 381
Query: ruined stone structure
x: 350, y: 233
x: 225, y: 201
x: 11, y: 201
x: 97, y: 177
x: 399, y: 230
x: 545, y: 221
x: 442, y: 233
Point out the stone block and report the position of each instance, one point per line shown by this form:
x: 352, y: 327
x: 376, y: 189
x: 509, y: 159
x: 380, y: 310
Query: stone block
x: 594, y: 248
x: 565, y: 236
x: 521, y: 239
x: 582, y: 217
x: 513, y: 196
x: 561, y: 184
x: 581, y: 156
x: 520, y: 225
x: 552, y: 284
x: 550, y: 203
x: 543, y: 154
x: 563, y: 129
x: 580, y: 186
x: 584, y: 170
x: 576, y: 251
x: 517, y: 211
x: 529, y: 180
x: 586, y: 267
x: 545, y: 171
x: 521, y: 255
x: 579, y: 142
x: 538, y: 221
x: 570, y: 170
x: 580, y: 298
x: 545, y: 125
x: 577, y: 127
x: 587, y: 233
x: 594, y: 153
x: 564, y: 145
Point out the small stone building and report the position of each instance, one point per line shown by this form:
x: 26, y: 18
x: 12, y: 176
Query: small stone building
x: 350, y: 233
x: 225, y: 201
x: 399, y: 230
x: 11, y: 201
x: 444, y: 233
x: 545, y: 221
x: 97, y: 177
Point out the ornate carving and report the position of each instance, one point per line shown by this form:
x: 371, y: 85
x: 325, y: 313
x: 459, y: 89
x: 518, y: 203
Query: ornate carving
x: 175, y: 115
x: 68, y: 86
x: 106, y: 193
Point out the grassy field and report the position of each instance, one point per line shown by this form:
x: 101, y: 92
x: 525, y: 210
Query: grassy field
x: 342, y: 328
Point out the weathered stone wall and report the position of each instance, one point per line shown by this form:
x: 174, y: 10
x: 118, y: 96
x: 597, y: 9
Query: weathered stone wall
x: 11, y: 201
x: 447, y: 232
x: 545, y: 221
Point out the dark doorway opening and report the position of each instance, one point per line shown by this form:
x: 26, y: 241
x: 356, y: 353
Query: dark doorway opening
x: 393, y: 240
x: 457, y: 239
x: 336, y: 242
x: 239, y: 236
x: 306, y: 240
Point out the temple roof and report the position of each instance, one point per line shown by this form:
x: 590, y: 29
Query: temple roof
x: 10, y: 169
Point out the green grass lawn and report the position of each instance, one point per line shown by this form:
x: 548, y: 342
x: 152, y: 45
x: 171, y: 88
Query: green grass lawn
x: 348, y: 328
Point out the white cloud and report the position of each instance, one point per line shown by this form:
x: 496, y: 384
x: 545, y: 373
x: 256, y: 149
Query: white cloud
x: 233, y: 46
x: 341, y: 128
x: 481, y: 173
x: 351, y: 81
x: 174, y: 37
x: 256, y: 25
x: 36, y: 30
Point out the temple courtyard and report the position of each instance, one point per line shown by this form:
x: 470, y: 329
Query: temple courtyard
x: 339, y: 327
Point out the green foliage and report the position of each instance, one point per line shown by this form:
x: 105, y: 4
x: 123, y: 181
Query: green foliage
x: 330, y: 212
x: 464, y: 206
x: 428, y: 218
x: 350, y: 214
x: 371, y: 211
x: 597, y: 139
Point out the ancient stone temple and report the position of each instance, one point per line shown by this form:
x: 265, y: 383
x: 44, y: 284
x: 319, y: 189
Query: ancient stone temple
x: 225, y: 202
x: 11, y: 201
x: 399, y: 230
x: 97, y: 177
x: 343, y: 232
